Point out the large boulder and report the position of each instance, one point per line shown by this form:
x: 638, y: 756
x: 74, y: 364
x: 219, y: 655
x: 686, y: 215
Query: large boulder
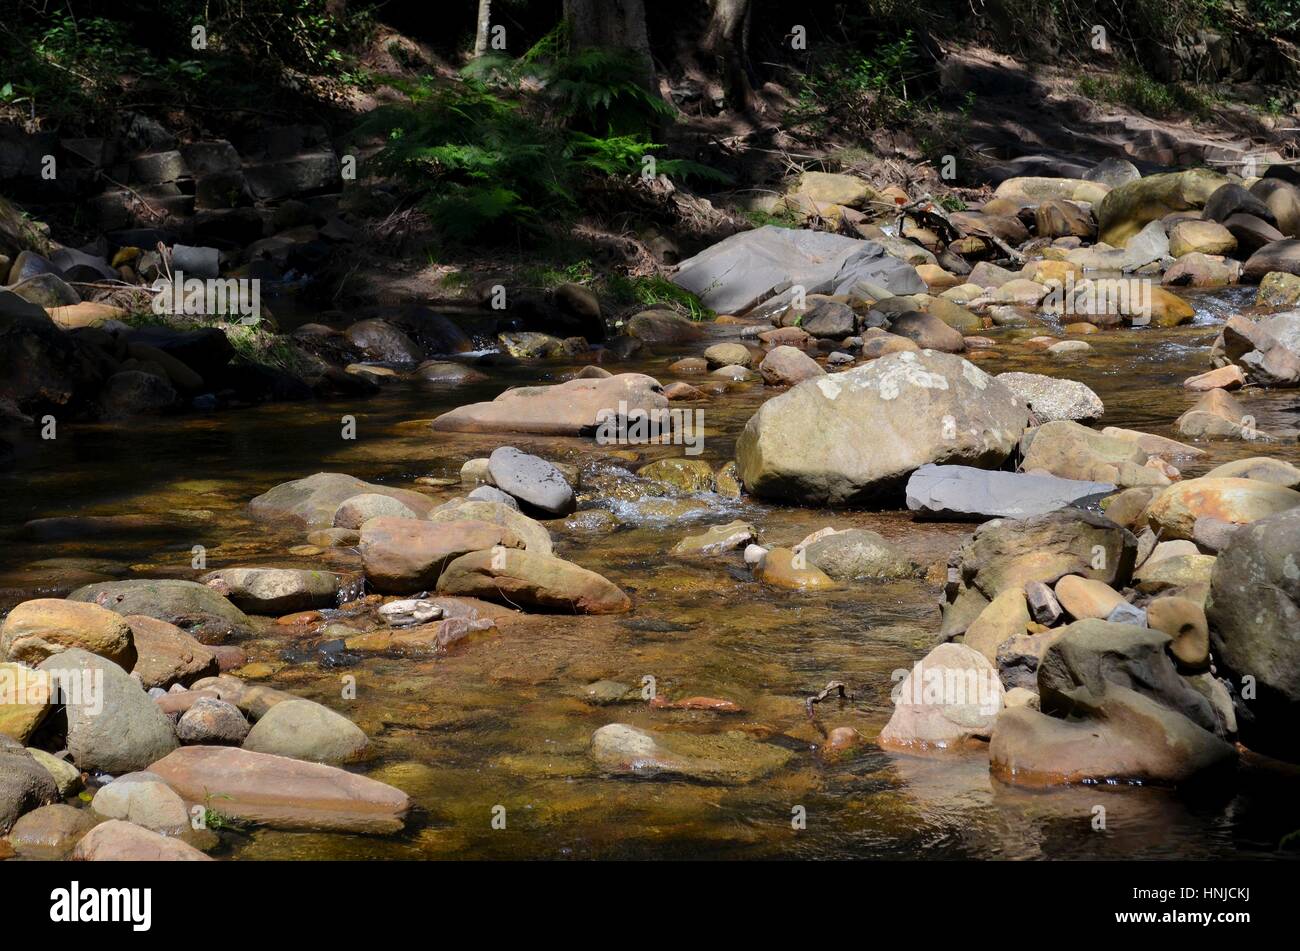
x: 113, y: 725
x: 276, y: 591
x: 962, y: 492
x: 281, y: 792
x: 949, y: 698
x: 575, y: 408
x: 1254, y: 615
x: 1066, y: 449
x: 402, y: 555
x: 41, y: 366
x: 856, y: 436
x: 380, y: 340
x: 1276, y: 257
x: 311, y: 502
x: 1127, y: 209
x: 745, y: 269
x: 531, y: 580
x: 195, y: 608
x: 303, y: 729
x: 1238, y: 501
x: 1267, y: 350
x: 34, y: 630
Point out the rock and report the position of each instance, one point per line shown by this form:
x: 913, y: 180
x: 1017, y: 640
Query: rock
x: 145, y: 800
x: 1091, y: 655
x: 783, y: 568
x: 1055, y: 218
x: 530, y: 532
x: 827, y: 188
x: 950, y: 697
x: 1085, y: 598
x: 735, y: 374
x: 1125, y: 210
x: 380, y: 340
x: 35, y: 630
x: 50, y: 832
x: 444, y: 373
x: 1148, y: 246
x: 113, y: 725
x: 730, y: 758
x: 662, y: 327
x: 1278, y: 291
x: 283, y: 793
x: 1180, y: 571
x: 528, y: 345
x: 962, y: 492
x: 66, y: 776
x: 1226, y: 378
x: 403, y: 555
x: 716, y: 539
x: 829, y: 319
x: 858, y: 435
x: 1201, y: 270
x: 1067, y: 348
x: 1283, y: 201
x: 1043, y: 606
x: 410, y: 611
x: 574, y: 408
x: 1020, y: 291
x: 276, y: 591
x: 195, y: 608
x: 1252, y: 233
x: 1216, y: 414
x: 1032, y: 189
x: 1005, y: 617
x: 304, y: 730
x: 1239, y: 501
x: 1204, y: 237
x: 354, y: 512
x: 928, y: 332
x: 212, y: 722
x: 167, y: 655
x: 24, y: 784
x: 1231, y: 199
x: 1254, y: 612
x: 1052, y: 398
x: 490, y: 493
x: 688, y: 475
x: 1277, y: 256
x: 1125, y: 738
x: 1064, y: 448
x: 857, y: 554
x: 532, y: 480
x: 723, y: 355
x: 312, y: 502
x: 1267, y: 350
x: 786, y: 366
x: 1113, y: 172
x: 1010, y: 553
x: 1184, y: 621
x: 531, y: 580
x: 118, y: 841
x: 878, y: 345
x: 1261, y: 468
x: 1128, y: 508
x: 24, y: 701
x: 747, y: 268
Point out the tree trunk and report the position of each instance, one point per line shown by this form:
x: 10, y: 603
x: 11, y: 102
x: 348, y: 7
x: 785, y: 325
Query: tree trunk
x: 483, y: 35
x: 726, y: 41
x: 609, y: 24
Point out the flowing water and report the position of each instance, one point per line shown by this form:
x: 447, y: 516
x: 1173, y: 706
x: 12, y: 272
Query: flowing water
x: 498, y: 720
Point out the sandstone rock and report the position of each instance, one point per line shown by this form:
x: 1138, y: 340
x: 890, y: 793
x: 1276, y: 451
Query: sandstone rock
x: 857, y: 554
x: 118, y: 841
x: 532, y: 534
x: 143, y: 799
x: 1006, y: 616
x: 728, y: 758
x: 1240, y: 501
x: 35, y: 630
x: 722, y: 355
x: 524, y: 578
x: 212, y: 722
x: 574, y: 408
x: 24, y: 784
x: 1085, y: 598
x: 928, y: 332
x: 50, y: 832
x: 1066, y: 449
x: 167, y: 655
x: 1184, y: 621
x: 1127, y: 209
x: 1205, y: 237
x: 1262, y: 468
x: 195, y: 608
x: 786, y: 366
x: 1052, y: 398
x: 355, y: 511
x: 663, y: 327
x: 404, y: 555
x: 1227, y: 378
x: 716, y: 539
x: 783, y: 568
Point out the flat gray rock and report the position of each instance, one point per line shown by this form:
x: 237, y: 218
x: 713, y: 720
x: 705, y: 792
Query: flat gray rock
x: 963, y: 492
x: 741, y: 271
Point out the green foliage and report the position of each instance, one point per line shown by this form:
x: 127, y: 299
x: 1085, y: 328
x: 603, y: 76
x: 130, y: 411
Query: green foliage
x: 655, y: 291
x: 853, y: 93
x: 1139, y: 91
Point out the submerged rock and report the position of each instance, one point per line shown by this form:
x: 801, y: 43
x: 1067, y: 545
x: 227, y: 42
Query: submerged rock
x: 730, y: 758
x: 531, y: 580
x: 858, y: 554
x: 574, y: 408
x: 312, y: 502
x: 276, y: 591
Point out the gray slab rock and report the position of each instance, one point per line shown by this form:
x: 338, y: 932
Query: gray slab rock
x: 964, y: 492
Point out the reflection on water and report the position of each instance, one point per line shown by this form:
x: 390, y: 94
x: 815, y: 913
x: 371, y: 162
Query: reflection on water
x: 498, y: 721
